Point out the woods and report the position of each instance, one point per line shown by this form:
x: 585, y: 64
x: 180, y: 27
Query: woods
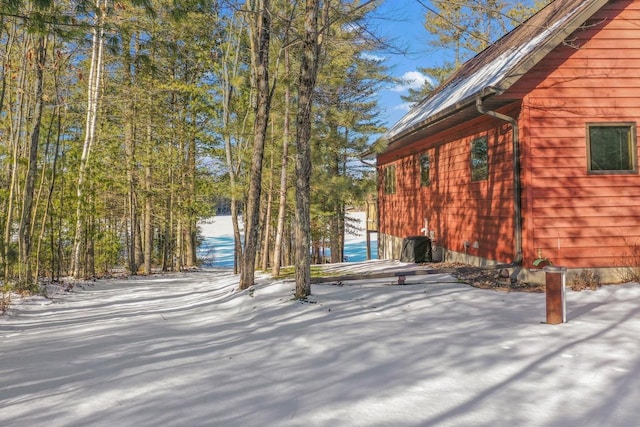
x: 105, y: 120
x: 123, y: 122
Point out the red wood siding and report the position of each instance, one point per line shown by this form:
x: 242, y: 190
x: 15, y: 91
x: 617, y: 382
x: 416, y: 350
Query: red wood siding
x: 456, y: 209
x: 577, y: 219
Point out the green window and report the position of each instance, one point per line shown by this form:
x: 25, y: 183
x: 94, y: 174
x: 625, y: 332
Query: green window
x: 425, y: 170
x: 479, y: 159
x: 611, y: 148
x: 389, y: 179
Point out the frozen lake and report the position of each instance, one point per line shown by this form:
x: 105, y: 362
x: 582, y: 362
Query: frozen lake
x: 217, y: 246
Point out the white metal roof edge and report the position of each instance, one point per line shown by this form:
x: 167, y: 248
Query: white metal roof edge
x: 490, y: 75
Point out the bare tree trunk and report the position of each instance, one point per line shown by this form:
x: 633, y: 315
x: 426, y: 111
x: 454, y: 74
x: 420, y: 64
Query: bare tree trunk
x: 230, y: 72
x: 16, y: 131
x: 138, y: 247
x: 289, y: 249
x: 266, y: 224
x: 90, y: 259
x: 190, y: 227
x: 167, y: 247
x: 25, y: 229
x: 336, y: 221
x: 335, y: 242
x: 95, y: 74
x: 135, y: 254
x: 179, y: 244
x: 282, y: 204
x: 306, y: 86
x: 132, y: 204
x: 148, y: 226
x: 237, y: 238
x: 6, y: 203
x: 52, y: 180
x: 260, y: 39
x: 190, y: 246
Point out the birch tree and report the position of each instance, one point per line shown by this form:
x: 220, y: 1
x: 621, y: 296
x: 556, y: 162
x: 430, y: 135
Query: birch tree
x: 100, y: 10
x: 93, y: 87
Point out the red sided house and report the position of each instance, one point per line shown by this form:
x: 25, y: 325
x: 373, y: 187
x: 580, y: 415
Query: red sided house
x: 529, y: 151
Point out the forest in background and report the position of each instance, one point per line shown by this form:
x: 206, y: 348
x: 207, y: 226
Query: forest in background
x: 122, y: 123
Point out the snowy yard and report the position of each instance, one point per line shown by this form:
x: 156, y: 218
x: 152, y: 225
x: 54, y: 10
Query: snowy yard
x: 190, y: 350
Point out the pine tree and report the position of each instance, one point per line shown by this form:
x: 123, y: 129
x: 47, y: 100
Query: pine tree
x: 306, y: 83
x: 348, y: 111
x: 463, y: 28
x: 260, y: 25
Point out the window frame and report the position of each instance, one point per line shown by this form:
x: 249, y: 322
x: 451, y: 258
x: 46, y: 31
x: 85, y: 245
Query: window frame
x: 633, y: 148
x: 389, y: 180
x: 474, y: 168
x: 425, y: 182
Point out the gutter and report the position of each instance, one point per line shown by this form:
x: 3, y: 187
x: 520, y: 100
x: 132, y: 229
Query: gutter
x: 517, y: 187
x: 436, y: 118
x: 430, y: 121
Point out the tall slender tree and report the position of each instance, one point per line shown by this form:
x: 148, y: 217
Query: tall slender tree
x: 26, y: 227
x: 309, y: 63
x: 234, y: 94
x: 93, y: 92
x: 282, y: 193
x: 260, y: 30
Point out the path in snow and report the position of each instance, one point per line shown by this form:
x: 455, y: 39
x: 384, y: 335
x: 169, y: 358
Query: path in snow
x: 190, y: 350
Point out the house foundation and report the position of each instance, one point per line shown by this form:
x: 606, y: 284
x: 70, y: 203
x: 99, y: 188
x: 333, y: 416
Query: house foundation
x: 390, y: 247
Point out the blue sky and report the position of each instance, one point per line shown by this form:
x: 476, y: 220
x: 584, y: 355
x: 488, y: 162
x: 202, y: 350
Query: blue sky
x: 403, y: 21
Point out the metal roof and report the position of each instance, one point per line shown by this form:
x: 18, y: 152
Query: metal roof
x: 492, y: 71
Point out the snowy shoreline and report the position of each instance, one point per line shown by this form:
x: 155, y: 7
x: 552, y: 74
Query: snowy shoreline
x: 217, y: 246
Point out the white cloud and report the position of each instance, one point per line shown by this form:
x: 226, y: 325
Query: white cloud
x: 410, y: 80
x: 372, y: 57
x: 405, y: 106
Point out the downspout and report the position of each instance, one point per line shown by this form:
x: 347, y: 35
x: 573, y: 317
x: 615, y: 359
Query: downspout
x: 517, y: 188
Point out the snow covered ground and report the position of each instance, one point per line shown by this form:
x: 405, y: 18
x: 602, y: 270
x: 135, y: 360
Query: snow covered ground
x: 190, y: 350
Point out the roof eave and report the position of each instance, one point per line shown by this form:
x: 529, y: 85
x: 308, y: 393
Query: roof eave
x: 519, y: 70
x: 440, y: 116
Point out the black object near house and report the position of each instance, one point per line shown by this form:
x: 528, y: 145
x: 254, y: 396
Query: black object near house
x: 416, y: 249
